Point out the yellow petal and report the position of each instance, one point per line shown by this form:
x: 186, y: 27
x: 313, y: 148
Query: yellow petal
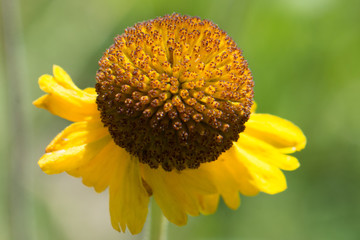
x: 90, y: 91
x: 63, y: 79
x: 99, y: 171
x: 208, y: 203
x: 225, y: 182
x: 231, y: 199
x: 77, y: 134
x: 276, y: 131
x: 128, y: 197
x: 267, y: 152
x: 65, y: 99
x: 71, y: 158
x: 239, y: 174
x: 267, y: 178
x: 253, y: 107
x: 177, y: 192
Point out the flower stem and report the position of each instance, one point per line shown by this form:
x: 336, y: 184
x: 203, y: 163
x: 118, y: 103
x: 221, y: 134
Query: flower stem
x: 158, y: 223
x: 15, y: 166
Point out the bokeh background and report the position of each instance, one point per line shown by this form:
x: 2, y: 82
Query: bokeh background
x: 305, y: 58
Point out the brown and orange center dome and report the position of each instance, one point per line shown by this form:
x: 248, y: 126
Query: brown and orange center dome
x: 174, y: 91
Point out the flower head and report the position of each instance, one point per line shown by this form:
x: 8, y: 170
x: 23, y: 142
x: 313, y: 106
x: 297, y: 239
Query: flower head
x: 179, y: 83
x: 171, y: 117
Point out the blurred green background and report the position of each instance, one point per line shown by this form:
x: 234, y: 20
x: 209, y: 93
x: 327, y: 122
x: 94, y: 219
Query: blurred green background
x: 305, y: 58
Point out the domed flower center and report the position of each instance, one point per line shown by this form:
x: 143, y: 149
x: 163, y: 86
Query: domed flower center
x: 174, y: 91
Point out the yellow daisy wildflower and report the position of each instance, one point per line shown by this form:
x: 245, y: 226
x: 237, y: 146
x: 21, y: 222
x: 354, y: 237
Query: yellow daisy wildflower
x: 171, y: 116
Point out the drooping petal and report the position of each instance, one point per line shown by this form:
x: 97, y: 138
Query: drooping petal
x: 73, y: 157
x: 276, y: 131
x: 267, y: 152
x: 74, y: 147
x: 99, y: 171
x: 77, y: 134
x: 64, y: 99
x: 237, y: 176
x: 177, y: 193
x: 224, y: 181
x: 63, y: 79
x: 128, y: 198
x: 262, y: 175
x: 208, y: 203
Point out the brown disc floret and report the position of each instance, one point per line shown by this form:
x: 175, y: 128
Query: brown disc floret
x: 174, y: 91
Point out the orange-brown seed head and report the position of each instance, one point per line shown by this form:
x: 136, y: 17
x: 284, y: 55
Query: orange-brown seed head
x: 174, y: 91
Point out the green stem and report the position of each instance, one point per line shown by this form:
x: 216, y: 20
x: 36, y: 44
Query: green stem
x: 158, y: 223
x: 17, y: 115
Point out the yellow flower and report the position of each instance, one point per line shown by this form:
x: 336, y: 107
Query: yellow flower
x: 172, y: 117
